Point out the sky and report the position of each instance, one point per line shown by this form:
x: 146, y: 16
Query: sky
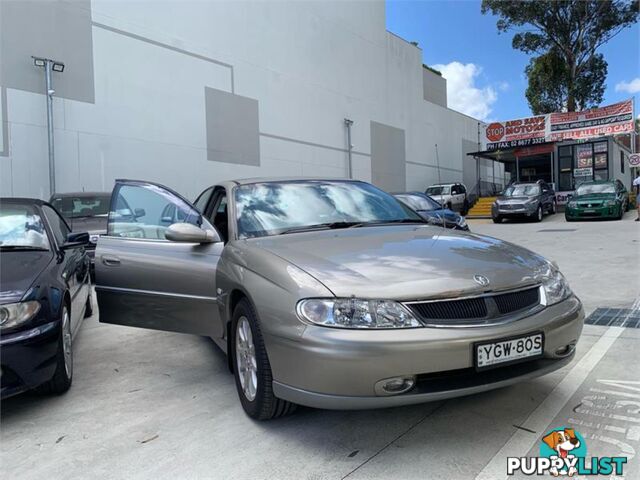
x: 485, y: 76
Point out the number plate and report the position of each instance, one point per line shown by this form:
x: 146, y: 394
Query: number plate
x: 589, y: 210
x: 510, y: 350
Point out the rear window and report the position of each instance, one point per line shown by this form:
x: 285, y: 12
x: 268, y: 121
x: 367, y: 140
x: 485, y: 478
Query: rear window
x: 82, y: 206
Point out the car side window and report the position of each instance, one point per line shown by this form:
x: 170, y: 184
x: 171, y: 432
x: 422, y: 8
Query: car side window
x: 145, y: 211
x: 220, y: 214
x: 454, y: 190
x: 462, y: 189
x: 203, y: 199
x: 58, y: 226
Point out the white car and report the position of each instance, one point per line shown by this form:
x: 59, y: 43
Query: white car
x: 450, y: 195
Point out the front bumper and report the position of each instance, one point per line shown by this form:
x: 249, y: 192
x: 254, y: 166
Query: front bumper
x: 28, y: 358
x: 600, y: 211
x: 513, y: 213
x: 337, y: 369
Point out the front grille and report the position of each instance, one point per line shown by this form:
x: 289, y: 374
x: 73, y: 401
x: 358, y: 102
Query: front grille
x: 512, y: 206
x: 590, y: 205
x: 514, y: 301
x: 453, y: 309
x: 478, y: 310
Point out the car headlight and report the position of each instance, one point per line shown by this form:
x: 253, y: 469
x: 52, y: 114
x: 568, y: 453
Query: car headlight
x: 435, y: 221
x: 13, y: 314
x: 356, y: 313
x: 461, y: 222
x: 572, y: 204
x: 555, y: 288
x: 609, y: 203
x: 94, y: 239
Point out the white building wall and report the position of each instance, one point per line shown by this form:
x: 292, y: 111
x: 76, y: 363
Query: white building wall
x: 308, y: 64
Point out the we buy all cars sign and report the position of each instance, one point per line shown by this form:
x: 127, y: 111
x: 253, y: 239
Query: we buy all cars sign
x: 523, y: 132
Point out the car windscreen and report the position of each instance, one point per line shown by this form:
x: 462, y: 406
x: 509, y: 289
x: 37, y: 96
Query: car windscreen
x: 418, y: 202
x: 82, y: 206
x: 272, y: 208
x: 21, y: 227
x: 522, y: 191
x: 438, y: 190
x: 590, y: 188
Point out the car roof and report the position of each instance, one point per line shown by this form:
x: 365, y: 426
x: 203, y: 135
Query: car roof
x: 81, y: 194
x: 23, y: 200
x: 444, y: 184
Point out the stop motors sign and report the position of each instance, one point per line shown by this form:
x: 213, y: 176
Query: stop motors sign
x: 634, y: 159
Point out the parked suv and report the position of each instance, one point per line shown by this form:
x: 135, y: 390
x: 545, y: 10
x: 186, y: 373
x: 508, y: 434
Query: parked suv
x: 524, y: 200
x: 450, y: 195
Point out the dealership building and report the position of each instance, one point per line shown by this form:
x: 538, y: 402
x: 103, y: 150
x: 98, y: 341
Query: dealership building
x: 564, y: 149
x: 191, y: 93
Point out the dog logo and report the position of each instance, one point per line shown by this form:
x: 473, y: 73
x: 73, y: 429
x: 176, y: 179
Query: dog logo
x: 564, y: 443
x: 481, y: 280
x: 563, y: 452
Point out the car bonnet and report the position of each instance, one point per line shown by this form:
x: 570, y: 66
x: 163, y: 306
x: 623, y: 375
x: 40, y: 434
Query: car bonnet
x: 406, y: 262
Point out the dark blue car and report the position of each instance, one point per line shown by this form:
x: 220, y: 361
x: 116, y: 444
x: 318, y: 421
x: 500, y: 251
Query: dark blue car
x: 45, y: 292
x: 432, y: 211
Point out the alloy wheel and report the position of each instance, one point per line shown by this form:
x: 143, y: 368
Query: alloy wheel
x: 539, y: 214
x: 246, y: 362
x: 66, y: 343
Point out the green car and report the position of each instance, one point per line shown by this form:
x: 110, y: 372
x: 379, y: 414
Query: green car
x: 598, y: 199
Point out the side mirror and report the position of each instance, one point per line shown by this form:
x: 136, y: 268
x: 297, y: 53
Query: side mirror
x: 139, y: 212
x: 75, y: 240
x: 189, y: 233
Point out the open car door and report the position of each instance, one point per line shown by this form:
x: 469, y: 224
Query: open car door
x: 156, y: 266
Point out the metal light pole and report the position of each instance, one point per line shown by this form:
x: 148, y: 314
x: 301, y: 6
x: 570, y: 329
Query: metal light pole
x: 49, y: 67
x: 348, y: 124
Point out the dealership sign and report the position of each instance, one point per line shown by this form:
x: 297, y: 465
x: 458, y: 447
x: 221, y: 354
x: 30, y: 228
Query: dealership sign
x: 523, y: 132
x: 634, y: 159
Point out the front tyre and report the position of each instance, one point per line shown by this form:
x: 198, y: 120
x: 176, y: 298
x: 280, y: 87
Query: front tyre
x: 251, y: 367
x: 63, y: 376
x: 497, y: 219
x: 539, y: 214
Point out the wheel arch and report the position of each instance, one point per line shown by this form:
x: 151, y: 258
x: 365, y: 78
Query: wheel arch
x: 236, y: 295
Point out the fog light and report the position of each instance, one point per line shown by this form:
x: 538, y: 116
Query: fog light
x: 565, y: 350
x: 395, y: 385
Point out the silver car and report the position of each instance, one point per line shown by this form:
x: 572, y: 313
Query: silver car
x: 332, y: 294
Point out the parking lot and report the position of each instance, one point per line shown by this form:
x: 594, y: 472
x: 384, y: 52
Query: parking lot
x: 153, y: 404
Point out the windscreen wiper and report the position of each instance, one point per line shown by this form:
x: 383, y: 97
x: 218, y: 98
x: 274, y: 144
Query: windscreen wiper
x: 322, y: 226
x: 397, y: 220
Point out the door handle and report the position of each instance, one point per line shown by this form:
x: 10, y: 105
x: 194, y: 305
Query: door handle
x: 110, y: 260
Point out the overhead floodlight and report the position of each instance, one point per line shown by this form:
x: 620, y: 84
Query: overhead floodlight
x: 56, y: 66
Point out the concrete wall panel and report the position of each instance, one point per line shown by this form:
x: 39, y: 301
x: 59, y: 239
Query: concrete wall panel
x: 60, y: 30
x: 388, y: 167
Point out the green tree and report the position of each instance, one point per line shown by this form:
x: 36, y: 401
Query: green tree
x: 566, y: 72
